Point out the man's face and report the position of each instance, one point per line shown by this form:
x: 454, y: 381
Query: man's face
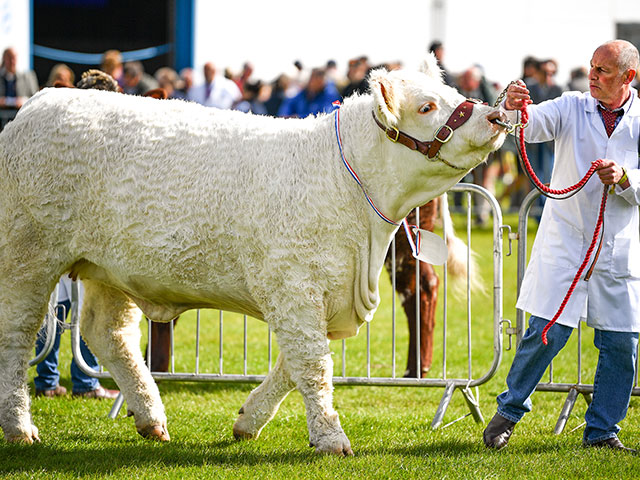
x: 209, y: 72
x: 316, y: 83
x: 548, y: 70
x: 9, y: 59
x: 606, y: 82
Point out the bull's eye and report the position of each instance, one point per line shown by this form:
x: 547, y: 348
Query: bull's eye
x: 426, y: 108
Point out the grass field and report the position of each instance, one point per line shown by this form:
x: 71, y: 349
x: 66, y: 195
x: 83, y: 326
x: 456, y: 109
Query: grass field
x: 389, y: 427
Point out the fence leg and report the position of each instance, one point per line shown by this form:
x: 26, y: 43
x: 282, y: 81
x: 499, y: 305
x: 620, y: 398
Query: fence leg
x: 473, y: 404
x: 442, y: 408
x: 117, y: 405
x: 566, y: 411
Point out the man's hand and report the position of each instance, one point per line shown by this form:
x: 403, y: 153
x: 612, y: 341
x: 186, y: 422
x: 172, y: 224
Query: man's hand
x: 517, y: 96
x: 610, y: 173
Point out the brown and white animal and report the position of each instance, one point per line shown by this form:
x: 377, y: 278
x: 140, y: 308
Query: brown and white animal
x: 405, y: 284
x: 165, y: 206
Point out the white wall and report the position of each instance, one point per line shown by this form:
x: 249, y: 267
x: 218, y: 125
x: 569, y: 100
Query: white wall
x: 497, y: 34
x: 15, y: 30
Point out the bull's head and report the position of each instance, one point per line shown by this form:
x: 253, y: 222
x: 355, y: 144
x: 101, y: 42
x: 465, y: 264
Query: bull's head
x: 417, y: 110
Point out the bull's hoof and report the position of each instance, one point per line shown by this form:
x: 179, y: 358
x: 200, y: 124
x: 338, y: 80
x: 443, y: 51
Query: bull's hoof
x: 333, y: 445
x: 155, y: 432
x: 27, y: 438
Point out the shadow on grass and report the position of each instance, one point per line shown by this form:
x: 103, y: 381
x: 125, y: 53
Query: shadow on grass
x: 111, y: 459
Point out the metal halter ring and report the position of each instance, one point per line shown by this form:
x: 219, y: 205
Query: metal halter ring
x: 394, y: 140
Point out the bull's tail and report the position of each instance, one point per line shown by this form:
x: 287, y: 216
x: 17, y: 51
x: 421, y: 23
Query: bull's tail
x: 461, y: 261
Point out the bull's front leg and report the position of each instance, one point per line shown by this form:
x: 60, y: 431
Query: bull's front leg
x: 308, y: 360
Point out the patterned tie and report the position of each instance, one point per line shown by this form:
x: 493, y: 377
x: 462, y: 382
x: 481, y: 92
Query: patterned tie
x: 610, y: 118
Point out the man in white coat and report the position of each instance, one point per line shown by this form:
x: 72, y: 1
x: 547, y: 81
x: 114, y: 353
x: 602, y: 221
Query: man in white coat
x: 601, y: 124
x: 216, y: 91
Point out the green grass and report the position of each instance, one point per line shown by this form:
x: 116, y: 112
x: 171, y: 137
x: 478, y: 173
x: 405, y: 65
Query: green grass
x: 389, y: 427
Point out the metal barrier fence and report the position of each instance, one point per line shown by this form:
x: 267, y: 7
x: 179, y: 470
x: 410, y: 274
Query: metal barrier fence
x: 573, y: 390
x: 464, y: 383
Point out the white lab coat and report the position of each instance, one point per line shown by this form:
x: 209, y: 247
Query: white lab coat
x: 610, y: 299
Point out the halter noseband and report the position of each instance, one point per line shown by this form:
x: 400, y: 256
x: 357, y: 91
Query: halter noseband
x: 431, y: 149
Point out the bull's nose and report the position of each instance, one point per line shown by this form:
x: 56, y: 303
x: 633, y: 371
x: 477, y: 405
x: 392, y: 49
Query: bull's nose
x: 498, y: 117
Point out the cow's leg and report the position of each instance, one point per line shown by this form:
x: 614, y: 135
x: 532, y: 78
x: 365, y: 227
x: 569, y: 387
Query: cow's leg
x: 429, y: 283
x: 29, y: 269
x: 160, y: 345
x: 308, y: 360
x: 23, y: 305
x: 263, y: 402
x: 109, y: 324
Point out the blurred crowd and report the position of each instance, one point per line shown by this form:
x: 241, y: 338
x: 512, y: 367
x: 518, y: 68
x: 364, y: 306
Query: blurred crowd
x: 303, y: 91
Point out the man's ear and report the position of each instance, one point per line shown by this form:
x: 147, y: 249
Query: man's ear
x: 386, y: 97
x: 629, y: 76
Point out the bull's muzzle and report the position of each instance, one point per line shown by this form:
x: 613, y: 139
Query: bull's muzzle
x: 499, y: 118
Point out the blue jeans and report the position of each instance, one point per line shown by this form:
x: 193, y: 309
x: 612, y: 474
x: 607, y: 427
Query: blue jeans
x: 613, y: 381
x: 48, y: 374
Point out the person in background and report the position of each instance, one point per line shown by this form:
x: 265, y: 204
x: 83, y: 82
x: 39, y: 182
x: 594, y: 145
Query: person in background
x: 317, y: 97
x: 111, y: 64
x: 437, y: 49
x: 216, y: 91
x: 357, y: 77
x: 135, y: 81
x: 168, y: 80
x: 245, y: 75
x: 15, y: 87
x: 601, y: 124
x: 579, y: 81
x: 251, y: 99
x: 185, y: 82
x: 61, y: 75
x: 472, y: 84
x: 47, y: 380
x: 279, y: 89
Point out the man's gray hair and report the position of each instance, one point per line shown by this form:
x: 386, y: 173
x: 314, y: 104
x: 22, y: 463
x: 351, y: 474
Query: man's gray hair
x: 628, y: 57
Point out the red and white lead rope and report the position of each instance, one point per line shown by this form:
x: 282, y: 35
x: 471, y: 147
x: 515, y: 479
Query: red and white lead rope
x: 544, y: 188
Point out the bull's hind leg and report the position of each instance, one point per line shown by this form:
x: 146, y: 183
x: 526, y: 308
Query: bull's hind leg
x: 263, y: 402
x: 23, y: 305
x: 109, y: 323
x: 29, y: 266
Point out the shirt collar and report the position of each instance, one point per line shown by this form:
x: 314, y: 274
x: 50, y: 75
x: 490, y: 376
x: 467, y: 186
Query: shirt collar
x: 630, y: 106
x: 624, y: 107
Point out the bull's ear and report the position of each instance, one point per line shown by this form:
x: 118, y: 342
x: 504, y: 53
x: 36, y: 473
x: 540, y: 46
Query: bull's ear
x: 430, y: 67
x: 386, y: 96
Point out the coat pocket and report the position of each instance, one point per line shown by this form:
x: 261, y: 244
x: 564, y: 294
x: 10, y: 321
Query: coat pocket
x: 561, y: 245
x: 626, y: 258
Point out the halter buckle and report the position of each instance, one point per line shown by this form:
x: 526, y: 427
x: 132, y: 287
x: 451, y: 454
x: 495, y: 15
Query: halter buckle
x: 394, y: 140
x: 449, y: 134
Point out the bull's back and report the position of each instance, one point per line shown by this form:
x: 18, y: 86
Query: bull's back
x: 91, y: 150
x: 166, y: 191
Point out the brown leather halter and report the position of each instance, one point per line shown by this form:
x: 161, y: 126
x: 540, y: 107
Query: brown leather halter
x: 431, y: 149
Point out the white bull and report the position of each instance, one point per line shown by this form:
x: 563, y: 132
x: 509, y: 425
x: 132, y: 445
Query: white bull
x: 168, y: 206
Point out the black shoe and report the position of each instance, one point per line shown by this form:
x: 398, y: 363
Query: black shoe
x: 613, y: 443
x: 497, y: 433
